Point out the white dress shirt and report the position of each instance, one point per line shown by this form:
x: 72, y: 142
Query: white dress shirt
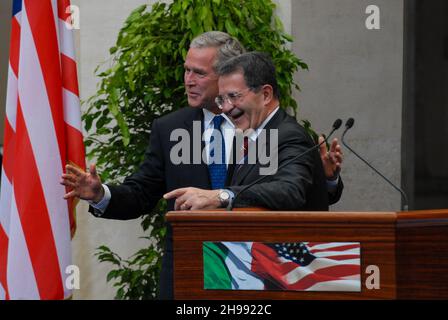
x: 227, y: 128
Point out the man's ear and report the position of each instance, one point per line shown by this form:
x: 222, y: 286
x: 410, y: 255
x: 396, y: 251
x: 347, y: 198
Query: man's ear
x: 268, y: 93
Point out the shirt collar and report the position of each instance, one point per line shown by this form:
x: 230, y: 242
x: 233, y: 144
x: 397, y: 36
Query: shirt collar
x: 254, y: 135
x: 208, y: 118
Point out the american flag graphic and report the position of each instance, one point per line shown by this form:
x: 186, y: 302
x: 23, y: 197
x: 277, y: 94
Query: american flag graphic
x: 42, y: 134
x: 307, y: 266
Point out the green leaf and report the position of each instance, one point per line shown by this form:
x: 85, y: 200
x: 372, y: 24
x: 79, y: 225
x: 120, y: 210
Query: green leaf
x: 111, y: 275
x: 287, y: 37
x: 231, y: 29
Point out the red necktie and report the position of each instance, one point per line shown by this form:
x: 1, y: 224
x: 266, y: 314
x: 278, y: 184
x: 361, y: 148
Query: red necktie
x: 245, y: 146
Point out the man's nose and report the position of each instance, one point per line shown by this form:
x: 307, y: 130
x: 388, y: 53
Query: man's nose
x: 226, y: 106
x: 190, y: 79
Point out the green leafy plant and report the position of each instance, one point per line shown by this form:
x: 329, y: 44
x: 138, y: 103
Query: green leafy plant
x: 144, y: 80
x: 137, y: 277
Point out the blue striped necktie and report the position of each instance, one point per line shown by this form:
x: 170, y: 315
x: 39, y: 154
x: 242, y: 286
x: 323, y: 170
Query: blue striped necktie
x: 217, y: 166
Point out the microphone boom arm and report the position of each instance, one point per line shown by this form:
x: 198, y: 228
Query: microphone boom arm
x: 405, y: 206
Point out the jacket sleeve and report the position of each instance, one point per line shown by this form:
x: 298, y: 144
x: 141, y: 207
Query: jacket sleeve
x: 335, y: 196
x: 140, y: 192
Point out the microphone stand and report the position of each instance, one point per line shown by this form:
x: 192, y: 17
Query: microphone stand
x: 349, y: 125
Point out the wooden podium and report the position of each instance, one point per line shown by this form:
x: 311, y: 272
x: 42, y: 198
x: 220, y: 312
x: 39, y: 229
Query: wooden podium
x: 409, y: 248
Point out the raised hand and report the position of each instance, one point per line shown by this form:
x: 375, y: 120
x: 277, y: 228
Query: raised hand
x: 86, y: 186
x: 331, y: 159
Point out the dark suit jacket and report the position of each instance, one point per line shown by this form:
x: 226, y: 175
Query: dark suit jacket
x: 301, y: 185
x: 157, y: 175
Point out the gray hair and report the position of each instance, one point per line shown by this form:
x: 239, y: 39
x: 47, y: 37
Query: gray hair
x: 227, y: 46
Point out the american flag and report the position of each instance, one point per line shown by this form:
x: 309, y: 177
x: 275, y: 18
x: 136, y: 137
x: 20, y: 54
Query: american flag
x: 42, y: 134
x: 308, y: 266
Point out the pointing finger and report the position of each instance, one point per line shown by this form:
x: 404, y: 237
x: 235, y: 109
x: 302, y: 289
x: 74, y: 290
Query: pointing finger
x: 175, y: 193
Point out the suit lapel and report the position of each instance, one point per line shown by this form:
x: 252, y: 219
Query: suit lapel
x: 197, y: 170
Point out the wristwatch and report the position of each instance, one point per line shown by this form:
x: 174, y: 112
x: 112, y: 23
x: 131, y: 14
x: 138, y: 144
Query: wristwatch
x: 224, y: 197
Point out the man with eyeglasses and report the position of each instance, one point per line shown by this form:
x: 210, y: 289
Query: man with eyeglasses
x: 157, y: 175
x: 249, y: 96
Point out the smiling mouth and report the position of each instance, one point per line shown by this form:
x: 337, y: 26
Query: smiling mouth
x: 193, y: 94
x: 235, y: 114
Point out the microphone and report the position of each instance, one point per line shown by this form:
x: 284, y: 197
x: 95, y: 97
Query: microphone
x: 336, y: 125
x: 348, y: 125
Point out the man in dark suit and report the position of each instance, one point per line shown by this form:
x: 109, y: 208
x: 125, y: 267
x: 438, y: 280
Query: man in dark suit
x: 158, y: 174
x: 249, y: 95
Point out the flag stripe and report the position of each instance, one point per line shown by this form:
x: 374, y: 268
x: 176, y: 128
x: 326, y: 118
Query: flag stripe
x: 35, y: 219
x: 55, y: 24
x: 3, y: 295
x: 8, y: 149
x: 40, y: 17
x: 5, y: 198
x: 14, y: 48
x: 5, y: 202
x: 20, y: 274
x: 323, y: 275
x: 72, y: 115
x: 69, y: 80
x: 342, y: 257
x: 330, y: 252
x: 335, y: 248
x: 66, y: 44
x: 325, y: 245
x: 3, y: 260
x: 11, y: 100
x: 349, y: 285
x: 63, y: 12
x: 74, y: 138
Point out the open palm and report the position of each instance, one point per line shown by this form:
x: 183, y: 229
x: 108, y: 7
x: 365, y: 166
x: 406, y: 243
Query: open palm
x: 84, y: 185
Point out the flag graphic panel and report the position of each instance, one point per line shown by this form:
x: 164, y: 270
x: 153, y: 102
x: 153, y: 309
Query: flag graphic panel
x: 294, y: 266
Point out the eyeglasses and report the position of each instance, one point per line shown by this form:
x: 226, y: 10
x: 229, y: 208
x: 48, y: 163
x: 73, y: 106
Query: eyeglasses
x: 231, y: 98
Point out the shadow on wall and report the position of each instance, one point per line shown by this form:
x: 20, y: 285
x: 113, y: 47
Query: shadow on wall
x: 431, y: 104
